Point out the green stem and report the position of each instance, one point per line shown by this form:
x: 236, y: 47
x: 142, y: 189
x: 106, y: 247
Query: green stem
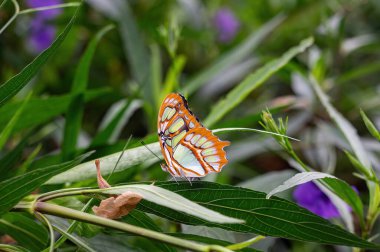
x: 17, y: 10
x: 298, y: 160
x: 64, y: 212
x: 51, y: 231
x: 73, y: 225
x: 244, y: 244
x: 57, y: 6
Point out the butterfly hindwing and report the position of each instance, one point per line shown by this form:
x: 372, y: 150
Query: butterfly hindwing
x: 200, y: 152
x: 189, y: 149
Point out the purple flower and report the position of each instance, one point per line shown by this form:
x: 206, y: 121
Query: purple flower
x: 46, y: 14
x: 226, y: 24
x: 41, y: 33
x: 309, y: 196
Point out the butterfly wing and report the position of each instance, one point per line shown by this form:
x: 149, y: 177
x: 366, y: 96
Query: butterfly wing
x: 189, y: 149
x: 199, y: 153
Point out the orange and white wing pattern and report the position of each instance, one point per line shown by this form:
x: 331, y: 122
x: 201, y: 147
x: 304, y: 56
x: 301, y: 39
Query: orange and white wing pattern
x: 189, y: 149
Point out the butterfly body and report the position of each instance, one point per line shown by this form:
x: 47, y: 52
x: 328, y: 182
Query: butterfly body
x: 190, y: 149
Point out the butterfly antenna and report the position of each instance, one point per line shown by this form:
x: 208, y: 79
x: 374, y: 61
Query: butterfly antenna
x: 143, y: 143
x: 121, y: 155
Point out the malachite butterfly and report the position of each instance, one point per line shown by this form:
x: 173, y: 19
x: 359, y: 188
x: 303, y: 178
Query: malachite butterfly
x: 190, y: 150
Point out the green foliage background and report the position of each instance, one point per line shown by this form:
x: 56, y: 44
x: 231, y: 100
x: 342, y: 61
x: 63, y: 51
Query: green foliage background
x: 103, y: 80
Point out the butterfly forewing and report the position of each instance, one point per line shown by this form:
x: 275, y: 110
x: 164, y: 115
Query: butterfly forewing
x: 189, y: 149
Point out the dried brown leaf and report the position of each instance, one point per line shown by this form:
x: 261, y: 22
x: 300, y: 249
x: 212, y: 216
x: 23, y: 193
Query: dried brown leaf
x: 117, y: 206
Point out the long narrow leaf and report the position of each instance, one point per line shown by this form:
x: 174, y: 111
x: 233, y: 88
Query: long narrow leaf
x: 347, y: 129
x: 253, y: 81
x: 24, y: 230
x: 172, y: 200
x: 234, y: 56
x: 52, y: 106
x: 75, y: 110
x: 10, y: 125
x: 269, y: 217
x: 337, y: 186
x: 17, y: 82
x: 14, y: 189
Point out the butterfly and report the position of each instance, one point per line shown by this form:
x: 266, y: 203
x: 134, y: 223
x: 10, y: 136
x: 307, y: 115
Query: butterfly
x: 190, y: 150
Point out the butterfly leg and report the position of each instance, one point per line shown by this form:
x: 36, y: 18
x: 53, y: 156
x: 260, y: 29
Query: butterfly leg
x: 183, y: 175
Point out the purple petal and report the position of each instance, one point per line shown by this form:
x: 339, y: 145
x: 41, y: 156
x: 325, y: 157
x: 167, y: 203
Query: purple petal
x: 309, y: 196
x: 307, y: 193
x: 41, y: 35
x: 226, y: 24
x: 46, y: 14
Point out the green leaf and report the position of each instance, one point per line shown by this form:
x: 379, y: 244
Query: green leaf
x: 130, y: 158
x: 51, y: 107
x: 208, y: 240
x: 76, y: 240
x: 10, y: 159
x: 370, y: 126
x: 24, y: 230
x: 74, y: 112
x: 355, y: 162
x: 17, y: 82
x: 337, y: 186
x: 140, y: 219
x: 115, y: 119
x: 172, y: 200
x: 234, y: 56
x: 269, y: 217
x: 14, y: 189
x: 6, y: 132
x: 344, y: 125
x: 298, y: 179
x: 10, y: 248
x: 253, y: 81
x: 346, y: 193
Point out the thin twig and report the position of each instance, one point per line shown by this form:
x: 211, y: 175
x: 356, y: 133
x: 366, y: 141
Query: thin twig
x: 51, y: 7
x: 51, y: 231
x: 17, y: 11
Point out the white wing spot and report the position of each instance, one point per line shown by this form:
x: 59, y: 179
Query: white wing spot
x: 188, y: 137
x: 178, y: 138
x: 215, y: 165
x: 195, y: 139
x: 191, y: 125
x: 207, y: 144
x: 212, y: 159
x: 171, y: 113
x: 208, y: 152
x: 177, y: 124
x: 201, y: 141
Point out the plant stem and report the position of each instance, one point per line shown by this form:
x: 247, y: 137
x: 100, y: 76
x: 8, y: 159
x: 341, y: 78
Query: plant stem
x: 56, y: 6
x: 64, y: 212
x: 244, y: 244
x: 51, y: 231
x: 17, y: 10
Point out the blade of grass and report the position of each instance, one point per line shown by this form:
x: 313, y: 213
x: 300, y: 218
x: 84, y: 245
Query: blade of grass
x: 14, y: 189
x: 81, y: 244
x: 17, y: 82
x: 5, y: 134
x: 75, y: 110
x: 234, y: 56
x: 253, y: 81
